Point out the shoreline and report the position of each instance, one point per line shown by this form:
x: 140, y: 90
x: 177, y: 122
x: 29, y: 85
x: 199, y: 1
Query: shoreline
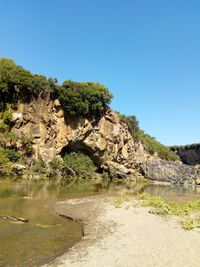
x: 128, y: 236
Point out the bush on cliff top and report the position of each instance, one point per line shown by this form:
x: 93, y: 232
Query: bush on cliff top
x: 16, y: 83
x: 84, y: 98
x: 77, y: 98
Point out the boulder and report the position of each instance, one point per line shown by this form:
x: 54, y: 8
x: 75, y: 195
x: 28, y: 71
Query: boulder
x: 19, y: 167
x: 167, y: 171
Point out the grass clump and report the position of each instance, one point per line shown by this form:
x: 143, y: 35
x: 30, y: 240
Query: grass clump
x: 163, y: 207
x: 156, y: 202
x: 190, y: 224
x: 120, y: 200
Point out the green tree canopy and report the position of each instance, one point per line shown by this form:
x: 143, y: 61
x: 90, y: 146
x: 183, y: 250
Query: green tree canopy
x: 17, y: 83
x: 77, y: 98
x: 83, y: 98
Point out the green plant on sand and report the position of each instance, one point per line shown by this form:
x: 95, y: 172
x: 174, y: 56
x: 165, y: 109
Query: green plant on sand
x: 183, y: 209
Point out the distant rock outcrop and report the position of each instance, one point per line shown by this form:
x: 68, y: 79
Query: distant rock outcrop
x: 189, y: 154
x: 173, y: 172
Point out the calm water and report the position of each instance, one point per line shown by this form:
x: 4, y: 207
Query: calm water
x: 47, y: 235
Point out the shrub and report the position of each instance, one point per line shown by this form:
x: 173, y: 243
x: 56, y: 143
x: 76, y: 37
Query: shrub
x: 190, y: 224
x: 131, y: 122
x: 27, y: 146
x: 5, y: 168
x: 3, y: 127
x: 161, y: 207
x: 39, y: 166
x: 150, y: 144
x: 56, y: 163
x: 7, y: 116
x: 77, y: 98
x: 3, y: 159
x: 153, y: 146
x: 81, y: 164
x: 17, y: 83
x: 84, y: 98
x: 11, y: 155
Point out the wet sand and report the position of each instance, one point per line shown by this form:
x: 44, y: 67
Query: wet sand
x: 129, y: 236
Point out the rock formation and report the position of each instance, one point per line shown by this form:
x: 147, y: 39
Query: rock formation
x: 106, y: 141
x: 173, y: 172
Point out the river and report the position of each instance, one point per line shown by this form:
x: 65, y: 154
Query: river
x: 46, y: 235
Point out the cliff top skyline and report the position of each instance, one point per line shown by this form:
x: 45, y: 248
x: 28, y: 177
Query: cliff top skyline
x: 145, y: 52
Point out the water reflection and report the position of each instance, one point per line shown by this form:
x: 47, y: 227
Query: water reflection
x: 47, y: 235
x: 172, y: 192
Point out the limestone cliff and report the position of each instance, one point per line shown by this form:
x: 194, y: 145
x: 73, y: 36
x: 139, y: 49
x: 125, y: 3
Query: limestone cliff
x: 107, y: 141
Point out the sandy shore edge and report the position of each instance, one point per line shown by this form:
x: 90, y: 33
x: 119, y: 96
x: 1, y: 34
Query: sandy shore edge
x: 128, y: 236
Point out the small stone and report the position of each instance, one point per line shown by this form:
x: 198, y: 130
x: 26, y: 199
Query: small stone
x: 197, y: 181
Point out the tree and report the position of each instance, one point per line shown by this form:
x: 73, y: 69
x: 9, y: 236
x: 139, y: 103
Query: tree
x: 84, y: 98
x: 16, y: 83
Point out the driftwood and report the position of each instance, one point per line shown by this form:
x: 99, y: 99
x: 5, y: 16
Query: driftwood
x: 13, y: 218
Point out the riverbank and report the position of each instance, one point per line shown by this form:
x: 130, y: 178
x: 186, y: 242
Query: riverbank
x: 128, y: 236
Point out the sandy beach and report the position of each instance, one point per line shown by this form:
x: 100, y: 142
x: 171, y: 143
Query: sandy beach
x: 129, y: 236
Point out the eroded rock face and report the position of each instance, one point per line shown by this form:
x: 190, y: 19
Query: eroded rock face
x: 173, y: 172
x: 106, y: 141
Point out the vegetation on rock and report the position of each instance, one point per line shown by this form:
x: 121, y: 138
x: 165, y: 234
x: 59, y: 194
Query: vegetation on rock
x: 16, y: 83
x: 81, y: 164
x: 88, y: 99
x: 150, y: 144
x: 77, y: 98
x: 154, y: 147
x: 132, y: 123
x: 84, y: 98
x: 7, y: 157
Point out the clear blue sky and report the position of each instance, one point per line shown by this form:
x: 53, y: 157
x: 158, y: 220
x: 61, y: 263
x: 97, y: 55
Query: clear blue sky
x: 147, y: 52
